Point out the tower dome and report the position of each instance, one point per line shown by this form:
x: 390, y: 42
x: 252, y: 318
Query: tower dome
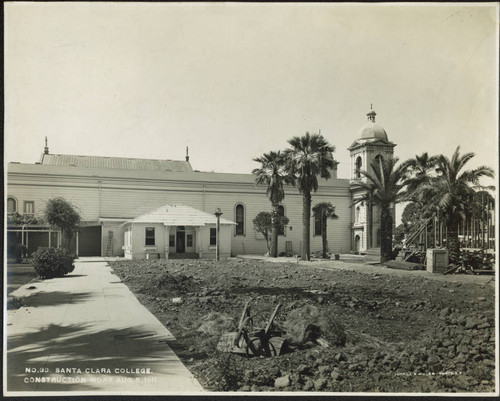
x: 371, y: 129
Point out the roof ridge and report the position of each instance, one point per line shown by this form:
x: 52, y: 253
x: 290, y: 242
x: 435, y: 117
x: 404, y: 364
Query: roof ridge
x: 113, y: 157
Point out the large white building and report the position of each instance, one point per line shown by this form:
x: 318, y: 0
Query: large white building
x: 111, y: 191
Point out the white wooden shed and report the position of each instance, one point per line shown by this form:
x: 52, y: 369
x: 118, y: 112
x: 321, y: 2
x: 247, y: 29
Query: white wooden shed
x: 176, y: 231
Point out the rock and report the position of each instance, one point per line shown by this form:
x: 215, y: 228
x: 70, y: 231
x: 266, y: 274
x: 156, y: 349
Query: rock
x: 319, y: 384
x: 481, y: 298
x: 244, y: 388
x: 281, y: 382
x: 304, y: 369
x: 451, y: 291
x: 308, y: 385
x: 336, y: 375
x: 488, y: 362
x: 324, y: 369
x: 444, y: 312
x: 254, y: 388
x: 353, y: 367
x: 177, y: 300
x: 433, y: 359
x: 340, y: 357
x: 470, y: 323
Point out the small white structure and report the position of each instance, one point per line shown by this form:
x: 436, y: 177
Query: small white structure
x: 176, y: 231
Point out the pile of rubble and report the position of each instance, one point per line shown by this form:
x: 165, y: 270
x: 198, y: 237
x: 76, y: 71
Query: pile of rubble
x: 348, y: 331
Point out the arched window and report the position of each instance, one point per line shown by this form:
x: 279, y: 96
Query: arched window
x: 11, y: 205
x: 240, y: 219
x: 359, y: 164
x: 281, y: 212
x: 356, y: 214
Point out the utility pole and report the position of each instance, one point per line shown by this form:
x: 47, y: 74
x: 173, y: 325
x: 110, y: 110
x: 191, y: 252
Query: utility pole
x: 218, y: 213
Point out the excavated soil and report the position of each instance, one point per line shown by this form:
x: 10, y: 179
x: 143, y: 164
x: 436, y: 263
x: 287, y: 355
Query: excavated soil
x: 373, y: 332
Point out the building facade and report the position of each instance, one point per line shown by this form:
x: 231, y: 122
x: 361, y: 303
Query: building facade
x: 111, y: 191
x: 371, y: 145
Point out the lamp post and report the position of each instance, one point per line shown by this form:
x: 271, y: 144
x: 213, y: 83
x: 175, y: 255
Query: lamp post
x: 218, y: 213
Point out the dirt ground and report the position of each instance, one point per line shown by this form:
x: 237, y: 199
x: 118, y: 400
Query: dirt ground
x: 349, y: 329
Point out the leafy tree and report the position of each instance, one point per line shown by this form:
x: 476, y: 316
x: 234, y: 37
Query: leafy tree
x: 263, y: 224
x: 16, y: 219
x: 385, y: 182
x: 309, y: 157
x: 411, y: 214
x: 325, y: 211
x: 451, y: 190
x: 62, y: 215
x: 273, y: 174
x: 399, y: 233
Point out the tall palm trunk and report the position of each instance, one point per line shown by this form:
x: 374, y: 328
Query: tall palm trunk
x: 370, y: 224
x: 386, y: 233
x: 274, y: 231
x: 323, y: 235
x: 453, y: 243
x: 306, y: 224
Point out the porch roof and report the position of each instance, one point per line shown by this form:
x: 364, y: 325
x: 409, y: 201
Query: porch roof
x: 178, y: 215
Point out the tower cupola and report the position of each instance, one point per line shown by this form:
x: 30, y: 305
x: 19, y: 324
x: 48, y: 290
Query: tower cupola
x: 371, y: 114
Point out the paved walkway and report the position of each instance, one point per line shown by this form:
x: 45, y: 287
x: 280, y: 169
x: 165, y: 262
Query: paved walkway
x: 87, y: 333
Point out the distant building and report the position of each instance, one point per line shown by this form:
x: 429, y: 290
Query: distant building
x: 110, y: 192
x: 372, y: 143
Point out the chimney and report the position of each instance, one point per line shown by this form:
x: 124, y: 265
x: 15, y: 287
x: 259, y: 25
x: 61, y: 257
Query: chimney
x: 46, y: 149
x: 187, y: 154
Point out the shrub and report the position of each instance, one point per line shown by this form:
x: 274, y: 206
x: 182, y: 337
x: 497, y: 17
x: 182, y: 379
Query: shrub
x: 52, y: 262
x: 16, y: 251
x: 14, y: 303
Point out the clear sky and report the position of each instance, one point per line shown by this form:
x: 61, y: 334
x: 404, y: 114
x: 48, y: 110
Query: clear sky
x: 233, y: 81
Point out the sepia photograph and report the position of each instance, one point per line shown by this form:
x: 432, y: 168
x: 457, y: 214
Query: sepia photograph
x: 250, y: 199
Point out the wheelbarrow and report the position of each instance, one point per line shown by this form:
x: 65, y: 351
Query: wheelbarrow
x: 251, y: 341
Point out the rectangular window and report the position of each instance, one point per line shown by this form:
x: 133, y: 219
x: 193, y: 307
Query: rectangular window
x: 317, y: 225
x: 171, y: 240
x: 213, y: 236
x: 29, y: 207
x: 281, y: 212
x: 150, y: 236
x: 189, y: 240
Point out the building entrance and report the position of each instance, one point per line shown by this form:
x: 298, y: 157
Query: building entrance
x: 180, y: 246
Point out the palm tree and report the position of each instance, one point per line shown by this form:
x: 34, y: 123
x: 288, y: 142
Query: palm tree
x: 324, y: 211
x: 417, y: 173
x: 385, y: 187
x: 274, y: 174
x: 451, y: 190
x: 309, y: 157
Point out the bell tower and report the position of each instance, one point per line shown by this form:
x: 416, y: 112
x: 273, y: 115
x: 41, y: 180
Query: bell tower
x: 372, y: 144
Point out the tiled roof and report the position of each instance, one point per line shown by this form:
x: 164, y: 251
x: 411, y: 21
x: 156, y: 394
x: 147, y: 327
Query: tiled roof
x: 179, y: 215
x: 115, y: 162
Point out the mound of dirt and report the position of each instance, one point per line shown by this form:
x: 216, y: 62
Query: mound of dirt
x: 353, y: 330
x: 309, y: 323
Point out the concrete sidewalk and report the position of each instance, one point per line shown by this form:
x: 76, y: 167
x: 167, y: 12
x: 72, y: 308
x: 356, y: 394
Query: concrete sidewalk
x: 86, y: 333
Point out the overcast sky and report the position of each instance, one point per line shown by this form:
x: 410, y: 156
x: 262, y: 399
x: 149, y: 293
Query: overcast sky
x: 233, y: 81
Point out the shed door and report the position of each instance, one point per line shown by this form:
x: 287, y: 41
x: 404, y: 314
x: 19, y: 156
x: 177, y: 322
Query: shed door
x: 89, y: 241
